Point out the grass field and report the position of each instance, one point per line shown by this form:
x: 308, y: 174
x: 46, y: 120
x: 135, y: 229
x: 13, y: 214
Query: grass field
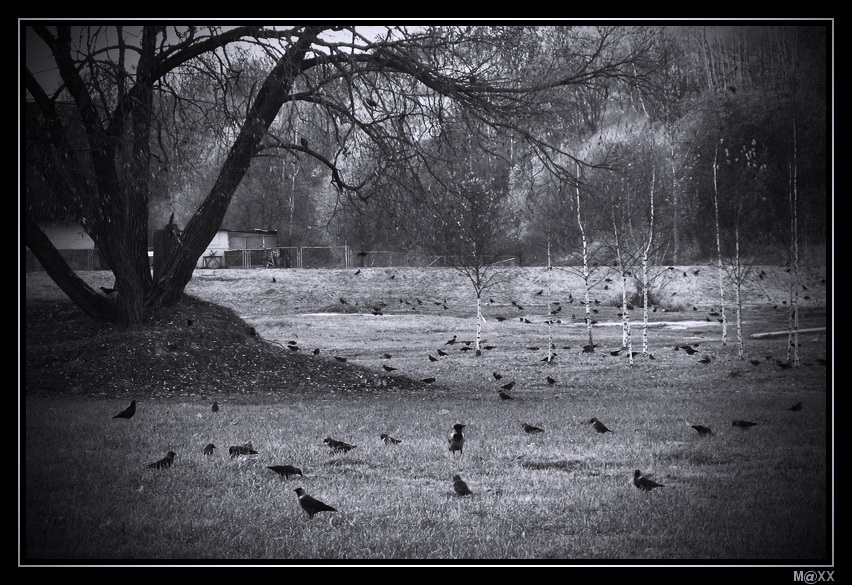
x: 563, y: 497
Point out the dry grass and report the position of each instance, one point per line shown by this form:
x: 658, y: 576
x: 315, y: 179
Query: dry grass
x: 562, y: 497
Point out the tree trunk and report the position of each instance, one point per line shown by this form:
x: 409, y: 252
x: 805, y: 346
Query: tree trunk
x: 92, y: 303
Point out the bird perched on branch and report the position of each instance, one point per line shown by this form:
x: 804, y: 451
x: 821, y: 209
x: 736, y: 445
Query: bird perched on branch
x: 457, y: 439
x: 338, y: 445
x: 599, y: 426
x: 389, y: 440
x: 285, y: 470
x: 312, y: 505
x: 128, y: 412
x: 164, y: 463
x: 644, y: 483
x: 460, y: 487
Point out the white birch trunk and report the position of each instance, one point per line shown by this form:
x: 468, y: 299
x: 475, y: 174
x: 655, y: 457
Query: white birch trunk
x: 478, y: 324
x: 721, y: 270
x: 586, y: 300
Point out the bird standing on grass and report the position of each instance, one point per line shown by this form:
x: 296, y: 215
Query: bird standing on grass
x: 460, y: 486
x: 128, y: 412
x: 457, y: 439
x: 215, y: 407
x: 237, y: 450
x: 702, y: 430
x: 389, y: 440
x: 312, y: 505
x: 338, y: 445
x: 164, y: 463
x: 285, y: 470
x: 743, y: 424
x: 644, y: 483
x: 531, y: 429
x: 599, y: 426
x: 796, y: 407
x: 208, y: 448
x: 504, y: 396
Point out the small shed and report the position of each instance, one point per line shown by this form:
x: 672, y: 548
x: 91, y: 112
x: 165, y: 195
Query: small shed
x: 241, y: 249
x: 73, y: 243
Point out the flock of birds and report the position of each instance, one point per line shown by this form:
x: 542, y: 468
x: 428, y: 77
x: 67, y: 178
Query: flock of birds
x: 456, y: 442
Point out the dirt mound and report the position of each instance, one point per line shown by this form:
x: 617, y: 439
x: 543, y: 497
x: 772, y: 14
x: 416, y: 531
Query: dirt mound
x: 193, y: 349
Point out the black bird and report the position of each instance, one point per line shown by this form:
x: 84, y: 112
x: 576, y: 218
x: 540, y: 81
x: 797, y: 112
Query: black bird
x: 285, y: 470
x: 531, y: 429
x: 796, y: 407
x: 550, y: 380
x: 387, y: 356
x: 539, y: 293
x: 689, y: 350
x: 165, y: 462
x: 252, y: 331
x: 388, y: 368
x: 704, y: 360
x: 128, y: 412
x: 432, y: 358
x: 343, y: 301
x: 316, y: 351
x: 457, y: 439
x: 743, y: 424
x: 702, y: 430
x: 460, y: 486
x: 496, y: 375
x: 338, y: 445
x: 451, y: 341
x: 427, y: 380
x: 504, y: 396
x: 340, y: 359
x: 312, y: 505
x: 599, y: 426
x: 215, y: 407
x: 645, y: 484
x: 303, y: 141
x: 442, y: 353
x: 755, y: 362
x: 189, y: 322
x: 590, y: 348
x: 784, y: 365
x: 236, y: 450
x: 208, y: 448
x: 357, y: 272
x: 488, y: 347
x: 508, y: 386
x: 108, y: 291
x: 389, y: 440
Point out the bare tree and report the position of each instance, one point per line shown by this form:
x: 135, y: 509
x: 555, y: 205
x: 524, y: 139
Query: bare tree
x: 382, y: 95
